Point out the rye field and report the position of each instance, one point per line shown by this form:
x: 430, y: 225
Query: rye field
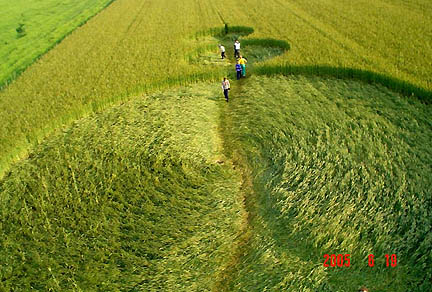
x: 122, y: 168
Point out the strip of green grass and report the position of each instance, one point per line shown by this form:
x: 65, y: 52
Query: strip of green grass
x: 131, y: 199
x: 30, y: 28
x: 338, y: 167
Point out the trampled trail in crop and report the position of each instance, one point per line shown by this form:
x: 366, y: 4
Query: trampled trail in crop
x: 332, y: 163
x: 323, y: 149
x: 181, y: 190
x: 290, y: 216
x: 136, y: 198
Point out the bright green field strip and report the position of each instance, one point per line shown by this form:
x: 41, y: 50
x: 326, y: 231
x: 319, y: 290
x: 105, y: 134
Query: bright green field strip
x: 338, y: 167
x: 131, y: 199
x: 43, y: 24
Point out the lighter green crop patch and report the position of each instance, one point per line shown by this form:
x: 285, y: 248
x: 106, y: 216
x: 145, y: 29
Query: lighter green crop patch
x: 138, y: 197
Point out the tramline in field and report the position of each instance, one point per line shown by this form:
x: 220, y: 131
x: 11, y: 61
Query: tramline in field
x: 123, y: 168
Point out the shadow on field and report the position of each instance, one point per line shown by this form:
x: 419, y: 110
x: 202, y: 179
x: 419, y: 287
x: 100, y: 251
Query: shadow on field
x: 254, y: 49
x: 403, y: 87
x: 260, y: 49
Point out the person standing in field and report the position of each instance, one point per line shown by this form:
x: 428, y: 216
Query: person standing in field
x: 225, y: 88
x: 238, y: 70
x: 222, y: 51
x: 242, y: 61
x: 236, y: 49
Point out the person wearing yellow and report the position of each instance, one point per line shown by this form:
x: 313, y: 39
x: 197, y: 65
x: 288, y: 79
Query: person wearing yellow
x: 242, y: 61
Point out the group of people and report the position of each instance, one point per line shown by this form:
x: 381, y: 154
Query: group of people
x: 240, y: 66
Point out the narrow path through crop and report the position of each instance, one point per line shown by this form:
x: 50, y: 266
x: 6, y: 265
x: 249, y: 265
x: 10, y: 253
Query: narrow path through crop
x: 233, y: 151
x: 238, y: 160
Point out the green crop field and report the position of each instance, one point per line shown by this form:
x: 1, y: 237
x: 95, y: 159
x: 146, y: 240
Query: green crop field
x: 136, y: 192
x: 122, y: 168
x: 29, y: 28
x: 337, y: 167
x: 135, y: 46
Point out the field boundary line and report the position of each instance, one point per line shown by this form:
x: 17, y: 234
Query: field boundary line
x: 4, y: 84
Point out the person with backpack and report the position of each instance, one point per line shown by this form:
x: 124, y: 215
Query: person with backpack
x: 238, y: 70
x: 242, y: 61
x: 226, y: 87
x: 222, y: 51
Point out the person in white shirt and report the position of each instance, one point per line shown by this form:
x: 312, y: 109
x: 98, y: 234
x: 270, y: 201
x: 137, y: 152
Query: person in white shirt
x: 222, y: 51
x: 236, y: 49
x: 225, y: 88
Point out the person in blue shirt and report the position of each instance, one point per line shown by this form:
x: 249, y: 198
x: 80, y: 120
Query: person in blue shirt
x: 238, y: 70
